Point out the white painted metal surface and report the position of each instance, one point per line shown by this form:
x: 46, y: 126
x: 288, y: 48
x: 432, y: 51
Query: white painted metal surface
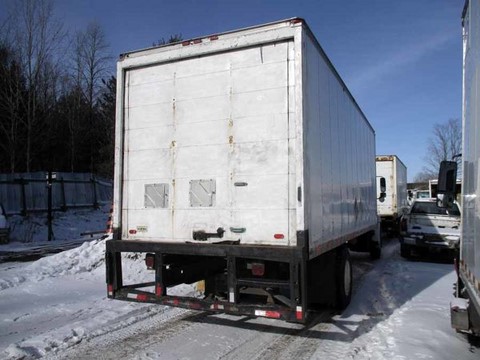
x: 339, y: 152
x: 394, y: 171
x: 261, y: 125
x: 470, y: 239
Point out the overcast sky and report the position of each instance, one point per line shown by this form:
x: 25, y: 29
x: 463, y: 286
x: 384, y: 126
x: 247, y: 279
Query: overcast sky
x: 402, y: 60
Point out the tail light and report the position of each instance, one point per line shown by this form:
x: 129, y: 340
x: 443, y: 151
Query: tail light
x: 258, y: 269
x: 150, y: 261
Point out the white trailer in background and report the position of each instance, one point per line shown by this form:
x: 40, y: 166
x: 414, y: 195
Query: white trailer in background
x: 465, y: 309
x: 241, y: 159
x: 391, y: 168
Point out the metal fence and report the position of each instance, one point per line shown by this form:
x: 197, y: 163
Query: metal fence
x: 21, y: 193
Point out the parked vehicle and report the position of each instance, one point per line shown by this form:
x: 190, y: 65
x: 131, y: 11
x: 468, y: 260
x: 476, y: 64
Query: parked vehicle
x: 4, y: 226
x: 238, y: 163
x: 465, y: 309
x: 395, y: 203
x: 422, y: 194
x: 433, y: 184
x: 427, y: 226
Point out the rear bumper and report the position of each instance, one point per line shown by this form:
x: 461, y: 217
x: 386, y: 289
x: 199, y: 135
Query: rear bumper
x: 430, y: 241
x: 233, y: 303
x: 267, y: 252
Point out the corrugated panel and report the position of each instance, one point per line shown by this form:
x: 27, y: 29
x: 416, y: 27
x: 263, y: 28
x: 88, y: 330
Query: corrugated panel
x: 340, y: 153
x: 470, y: 243
x: 202, y: 125
x: 78, y: 190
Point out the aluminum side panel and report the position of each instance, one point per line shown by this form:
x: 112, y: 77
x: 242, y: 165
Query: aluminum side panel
x: 339, y: 155
x: 401, y: 181
x: 470, y: 239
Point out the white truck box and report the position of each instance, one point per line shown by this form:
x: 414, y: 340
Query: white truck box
x: 249, y: 138
x: 469, y: 264
x: 394, y: 171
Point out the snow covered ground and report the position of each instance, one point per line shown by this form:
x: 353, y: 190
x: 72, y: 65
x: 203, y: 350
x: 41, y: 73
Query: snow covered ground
x: 29, y: 235
x: 56, y: 307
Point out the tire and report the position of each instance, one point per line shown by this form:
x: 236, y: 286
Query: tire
x: 405, y: 251
x: 343, y: 278
x: 375, y: 249
x: 375, y: 252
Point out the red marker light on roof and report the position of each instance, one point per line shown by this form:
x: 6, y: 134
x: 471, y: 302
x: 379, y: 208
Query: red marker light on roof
x: 214, y: 37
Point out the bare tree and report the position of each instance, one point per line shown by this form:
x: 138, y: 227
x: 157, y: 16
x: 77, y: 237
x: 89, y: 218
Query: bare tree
x: 172, y: 39
x: 37, y: 37
x: 424, y: 177
x: 11, y: 92
x: 444, y: 144
x: 92, y: 59
x: 106, y: 118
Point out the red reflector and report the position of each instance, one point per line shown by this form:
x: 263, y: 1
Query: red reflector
x: 158, y: 290
x: 142, y: 297
x: 279, y: 236
x: 299, y: 313
x: 272, y: 314
x: 214, y: 37
x: 194, y: 306
x: 258, y: 269
x: 132, y: 231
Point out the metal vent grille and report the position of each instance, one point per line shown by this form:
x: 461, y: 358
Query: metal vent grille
x: 156, y: 195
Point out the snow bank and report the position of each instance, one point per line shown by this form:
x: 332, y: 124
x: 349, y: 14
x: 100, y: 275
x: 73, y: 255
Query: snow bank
x: 85, y: 258
x: 58, y: 301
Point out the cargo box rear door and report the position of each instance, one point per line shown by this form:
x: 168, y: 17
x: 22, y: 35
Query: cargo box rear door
x: 207, y: 148
x: 385, y: 169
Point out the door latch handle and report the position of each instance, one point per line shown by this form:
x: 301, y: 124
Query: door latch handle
x: 201, y: 235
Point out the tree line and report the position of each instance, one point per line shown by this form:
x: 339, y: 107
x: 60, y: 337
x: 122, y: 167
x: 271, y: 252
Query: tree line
x: 57, y: 93
x: 444, y: 143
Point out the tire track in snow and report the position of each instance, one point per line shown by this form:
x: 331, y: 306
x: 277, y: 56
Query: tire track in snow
x: 125, y: 341
x: 176, y: 332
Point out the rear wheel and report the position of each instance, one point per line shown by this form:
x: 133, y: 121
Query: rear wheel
x: 375, y: 247
x: 375, y: 252
x: 343, y: 274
